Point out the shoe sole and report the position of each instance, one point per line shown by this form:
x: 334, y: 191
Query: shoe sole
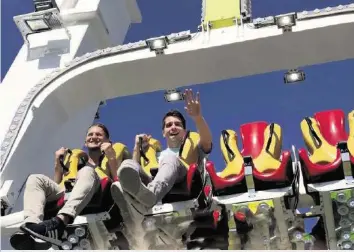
x: 26, y: 242
x: 42, y: 237
x: 22, y: 242
x: 123, y: 205
x: 121, y: 202
x: 130, y: 180
x: 131, y: 183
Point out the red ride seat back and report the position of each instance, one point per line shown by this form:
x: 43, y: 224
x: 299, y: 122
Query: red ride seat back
x: 267, y: 164
x: 252, y: 135
x: 324, y: 158
x: 332, y: 125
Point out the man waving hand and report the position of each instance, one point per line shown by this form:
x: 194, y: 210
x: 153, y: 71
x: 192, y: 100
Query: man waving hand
x: 171, y: 170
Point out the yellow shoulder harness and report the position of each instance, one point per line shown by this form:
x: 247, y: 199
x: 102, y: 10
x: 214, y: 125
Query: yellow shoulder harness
x: 121, y: 153
x: 71, y: 161
x: 321, y: 151
x: 269, y: 159
x: 189, y: 153
x: 149, y: 161
x: 232, y: 156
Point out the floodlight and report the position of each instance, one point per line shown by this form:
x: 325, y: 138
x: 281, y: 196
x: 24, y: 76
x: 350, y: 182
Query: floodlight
x: 40, y: 5
x: 40, y: 21
x: 157, y: 44
x: 286, y: 21
x: 37, y: 25
x: 294, y: 75
x: 174, y: 95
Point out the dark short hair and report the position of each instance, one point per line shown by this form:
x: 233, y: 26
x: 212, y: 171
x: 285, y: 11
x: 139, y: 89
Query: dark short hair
x: 174, y: 113
x: 102, y: 126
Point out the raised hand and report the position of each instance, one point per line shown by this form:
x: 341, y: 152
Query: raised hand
x: 60, y: 152
x: 192, y: 103
x: 145, y: 138
x: 108, y: 150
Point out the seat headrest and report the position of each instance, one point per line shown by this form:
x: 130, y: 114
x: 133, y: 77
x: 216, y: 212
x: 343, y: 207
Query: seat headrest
x: 252, y: 135
x: 332, y: 125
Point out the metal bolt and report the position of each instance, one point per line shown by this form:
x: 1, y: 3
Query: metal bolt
x: 341, y: 197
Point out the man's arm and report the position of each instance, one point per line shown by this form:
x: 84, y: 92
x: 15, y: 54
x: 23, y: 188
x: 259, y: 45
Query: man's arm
x: 136, y: 150
x: 193, y: 108
x: 205, y: 141
x: 136, y: 154
x: 58, y: 172
x: 113, y: 161
x: 113, y: 165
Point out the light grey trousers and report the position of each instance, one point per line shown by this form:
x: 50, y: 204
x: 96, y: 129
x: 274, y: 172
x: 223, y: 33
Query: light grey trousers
x: 40, y: 189
x: 170, y: 172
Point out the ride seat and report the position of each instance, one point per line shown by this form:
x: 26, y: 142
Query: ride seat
x: 185, y: 190
x: 231, y: 179
x: 73, y: 161
x: 263, y: 143
x: 322, y: 135
x: 271, y: 166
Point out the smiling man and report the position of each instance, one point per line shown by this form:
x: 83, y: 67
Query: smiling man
x: 41, y: 189
x: 171, y: 170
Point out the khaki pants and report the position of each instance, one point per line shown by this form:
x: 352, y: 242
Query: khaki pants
x: 170, y: 172
x: 41, y: 189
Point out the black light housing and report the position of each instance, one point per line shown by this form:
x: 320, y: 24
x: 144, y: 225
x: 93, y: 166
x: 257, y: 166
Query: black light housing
x: 294, y: 75
x: 157, y: 44
x: 173, y: 95
x: 40, y: 5
x: 286, y: 21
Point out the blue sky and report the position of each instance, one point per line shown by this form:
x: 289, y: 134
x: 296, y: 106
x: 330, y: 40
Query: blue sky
x: 225, y: 104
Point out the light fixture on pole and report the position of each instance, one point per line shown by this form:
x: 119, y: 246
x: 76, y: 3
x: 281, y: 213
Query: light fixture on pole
x: 157, y: 44
x: 43, y: 19
x: 173, y: 95
x: 286, y: 21
x: 294, y: 75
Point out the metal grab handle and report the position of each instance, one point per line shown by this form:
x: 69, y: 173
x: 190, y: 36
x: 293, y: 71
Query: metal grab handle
x: 271, y: 129
x: 61, y: 161
x: 312, y: 131
x: 183, y: 143
x: 142, y: 153
x: 225, y: 137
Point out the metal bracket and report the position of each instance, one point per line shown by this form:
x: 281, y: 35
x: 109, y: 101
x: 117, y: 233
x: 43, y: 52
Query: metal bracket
x: 345, y: 156
x: 50, y: 17
x: 249, y: 176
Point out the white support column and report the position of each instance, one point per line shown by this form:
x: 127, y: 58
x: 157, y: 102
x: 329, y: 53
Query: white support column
x: 93, y: 25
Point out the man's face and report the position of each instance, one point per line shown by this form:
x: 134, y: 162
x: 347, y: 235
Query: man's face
x: 173, y: 130
x: 95, y: 137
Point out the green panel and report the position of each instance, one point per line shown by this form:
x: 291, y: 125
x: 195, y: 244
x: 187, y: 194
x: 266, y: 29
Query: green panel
x: 221, y: 13
x: 342, y: 194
